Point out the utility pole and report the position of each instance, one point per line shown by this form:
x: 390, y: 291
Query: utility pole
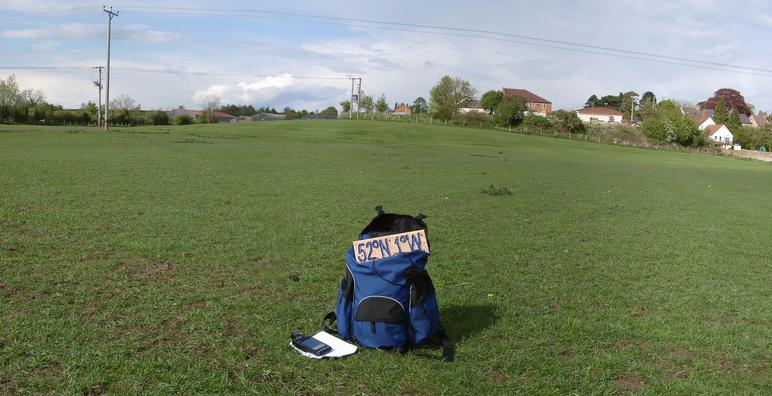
x: 351, y: 99
x: 110, y: 15
x: 359, y: 95
x: 98, y: 84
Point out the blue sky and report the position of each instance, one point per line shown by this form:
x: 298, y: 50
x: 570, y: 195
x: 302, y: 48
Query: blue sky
x: 261, y: 59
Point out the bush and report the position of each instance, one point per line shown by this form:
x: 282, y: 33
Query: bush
x: 531, y: 119
x: 568, y: 122
x: 669, y: 125
x: 183, y: 119
x: 510, y: 111
x: 157, y: 117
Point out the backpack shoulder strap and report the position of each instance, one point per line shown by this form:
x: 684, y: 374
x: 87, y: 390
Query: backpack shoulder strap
x: 328, y: 323
x: 448, y: 349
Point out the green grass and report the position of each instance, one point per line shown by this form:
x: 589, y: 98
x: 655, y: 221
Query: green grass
x: 163, y: 260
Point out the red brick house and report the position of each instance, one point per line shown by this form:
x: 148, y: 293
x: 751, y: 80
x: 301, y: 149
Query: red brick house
x: 403, y: 110
x: 532, y: 101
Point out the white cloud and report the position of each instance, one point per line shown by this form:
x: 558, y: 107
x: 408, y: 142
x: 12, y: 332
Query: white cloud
x: 281, y: 90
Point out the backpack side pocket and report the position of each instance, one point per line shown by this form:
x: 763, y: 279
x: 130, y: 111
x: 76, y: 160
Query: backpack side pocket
x: 344, y: 306
x: 424, y: 313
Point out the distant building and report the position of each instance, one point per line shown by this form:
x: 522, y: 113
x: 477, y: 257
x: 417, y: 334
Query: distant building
x: 472, y: 106
x: 599, y: 114
x: 760, y: 120
x: 533, y: 102
x: 267, y: 117
x: 217, y: 116
x: 719, y: 133
x: 403, y: 110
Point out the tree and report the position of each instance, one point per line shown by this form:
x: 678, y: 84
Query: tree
x: 627, y: 106
x: 157, y: 117
x: 490, y: 100
x: 668, y: 124
x: 612, y: 101
x: 183, y: 119
x: 381, y: 105
x: 648, y: 96
x: 366, y: 103
x: 448, y: 94
x: 345, y: 105
x: 733, y: 121
x: 733, y: 100
x: 531, y: 119
x: 510, y: 111
x: 647, y: 109
x: 210, y: 103
x: 90, y: 108
x: 720, y: 112
x: 329, y: 112
x: 419, y: 106
x: 125, y: 110
x: 567, y: 122
x: 592, y: 101
x: 124, y: 102
x: 9, y: 98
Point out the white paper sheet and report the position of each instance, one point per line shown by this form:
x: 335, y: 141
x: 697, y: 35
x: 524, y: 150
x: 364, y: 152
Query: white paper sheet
x: 339, y: 347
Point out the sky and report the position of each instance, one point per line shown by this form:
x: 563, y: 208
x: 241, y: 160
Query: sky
x: 264, y: 54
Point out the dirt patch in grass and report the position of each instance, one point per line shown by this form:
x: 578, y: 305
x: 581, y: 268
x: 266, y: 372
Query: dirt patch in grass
x: 499, y: 377
x: 7, y: 385
x: 191, y: 141
x: 630, y: 382
x: 95, y: 390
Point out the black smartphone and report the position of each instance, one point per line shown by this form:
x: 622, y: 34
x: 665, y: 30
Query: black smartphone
x: 310, y: 344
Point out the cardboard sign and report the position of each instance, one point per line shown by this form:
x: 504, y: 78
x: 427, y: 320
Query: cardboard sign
x: 390, y: 245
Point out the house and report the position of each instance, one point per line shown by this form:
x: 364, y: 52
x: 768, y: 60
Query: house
x: 403, y: 110
x: 760, y: 120
x: 472, y: 106
x: 745, y: 120
x: 533, y: 102
x: 704, y: 122
x: 599, y: 114
x: 267, y: 117
x: 217, y: 116
x: 719, y: 133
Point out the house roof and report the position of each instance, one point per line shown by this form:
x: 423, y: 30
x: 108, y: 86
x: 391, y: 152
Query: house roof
x: 760, y: 120
x: 711, y: 129
x: 403, y: 109
x: 744, y: 119
x: 525, y: 94
x: 600, y: 110
x: 698, y: 119
x: 196, y: 113
x: 471, y: 104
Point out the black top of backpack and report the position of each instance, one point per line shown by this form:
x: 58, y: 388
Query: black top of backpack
x: 392, y: 223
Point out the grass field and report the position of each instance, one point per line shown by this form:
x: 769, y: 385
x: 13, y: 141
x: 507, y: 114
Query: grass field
x: 179, y: 259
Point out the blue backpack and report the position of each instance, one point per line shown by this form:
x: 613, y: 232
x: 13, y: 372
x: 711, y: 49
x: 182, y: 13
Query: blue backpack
x: 389, y: 303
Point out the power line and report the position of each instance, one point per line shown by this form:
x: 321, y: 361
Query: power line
x: 239, y: 12
x: 579, y: 50
x: 178, y: 72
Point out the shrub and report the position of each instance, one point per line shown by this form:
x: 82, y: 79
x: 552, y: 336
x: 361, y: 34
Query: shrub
x: 568, y: 122
x: 510, y: 111
x: 531, y: 119
x: 157, y: 117
x: 183, y: 119
x: 668, y: 124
